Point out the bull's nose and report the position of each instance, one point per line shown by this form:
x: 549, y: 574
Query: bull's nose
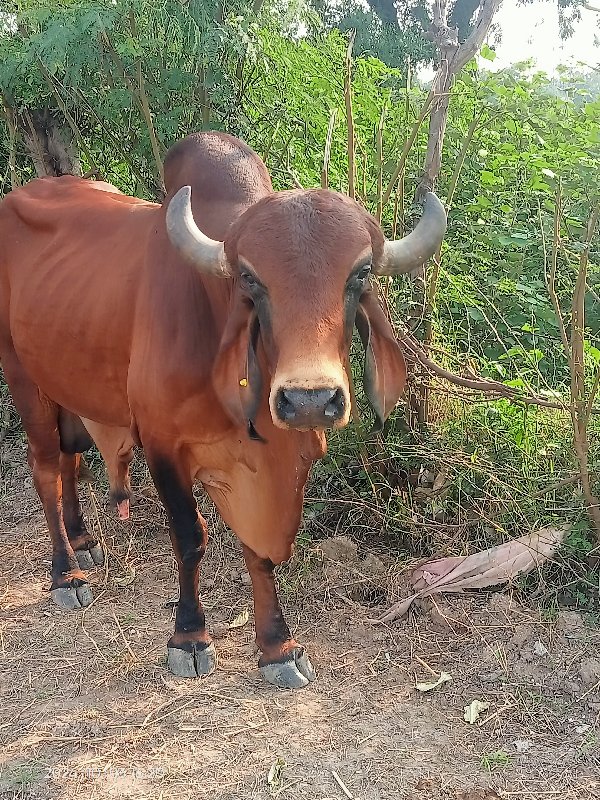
x: 310, y: 408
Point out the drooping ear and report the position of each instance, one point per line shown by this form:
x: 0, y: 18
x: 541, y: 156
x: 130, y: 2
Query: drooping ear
x: 385, y: 369
x: 236, y: 374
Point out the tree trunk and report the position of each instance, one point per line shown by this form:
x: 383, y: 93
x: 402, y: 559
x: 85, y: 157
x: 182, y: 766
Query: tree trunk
x: 50, y: 144
x: 452, y: 57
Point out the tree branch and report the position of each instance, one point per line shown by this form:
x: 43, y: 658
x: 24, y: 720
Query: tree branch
x: 9, y: 116
x: 467, y: 50
x: 494, y: 390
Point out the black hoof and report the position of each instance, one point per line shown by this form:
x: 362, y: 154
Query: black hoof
x: 73, y: 597
x: 90, y: 558
x: 295, y: 673
x: 198, y: 662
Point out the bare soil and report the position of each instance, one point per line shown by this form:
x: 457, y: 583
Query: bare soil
x: 89, y: 709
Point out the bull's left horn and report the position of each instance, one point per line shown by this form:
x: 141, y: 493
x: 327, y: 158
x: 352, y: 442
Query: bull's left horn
x: 412, y: 251
x: 206, y: 254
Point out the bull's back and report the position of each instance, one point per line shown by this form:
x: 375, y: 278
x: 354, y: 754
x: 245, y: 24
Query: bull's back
x: 71, y: 255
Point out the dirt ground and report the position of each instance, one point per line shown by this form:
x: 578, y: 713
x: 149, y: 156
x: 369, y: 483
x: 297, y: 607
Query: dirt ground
x: 88, y: 708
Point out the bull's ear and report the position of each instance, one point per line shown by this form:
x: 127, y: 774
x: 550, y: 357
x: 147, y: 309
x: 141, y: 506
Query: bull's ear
x: 236, y: 375
x: 385, y: 368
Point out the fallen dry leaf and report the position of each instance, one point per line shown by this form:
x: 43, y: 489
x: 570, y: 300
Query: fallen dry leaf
x: 474, y: 709
x: 428, y: 686
x: 240, y: 620
x: 275, y: 774
x: 480, y: 570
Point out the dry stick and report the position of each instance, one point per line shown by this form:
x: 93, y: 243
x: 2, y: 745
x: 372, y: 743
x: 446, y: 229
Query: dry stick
x: 452, y: 56
x: 398, y: 207
x: 144, y: 109
x: 493, y: 389
x: 380, y: 163
x: 580, y: 408
x: 145, y: 105
x: 361, y: 195
x: 554, y: 486
x: 551, y: 278
x: 427, y: 313
x: 327, y: 154
x: 579, y: 405
x: 350, y: 118
x: 592, y: 397
x: 466, y: 142
x: 409, y: 143
x: 9, y: 116
x: 68, y: 116
x: 342, y: 785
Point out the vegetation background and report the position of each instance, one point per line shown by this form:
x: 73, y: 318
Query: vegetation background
x: 106, y: 86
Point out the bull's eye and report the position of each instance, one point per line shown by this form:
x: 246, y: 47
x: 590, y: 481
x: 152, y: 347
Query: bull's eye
x: 248, y: 279
x: 358, y: 279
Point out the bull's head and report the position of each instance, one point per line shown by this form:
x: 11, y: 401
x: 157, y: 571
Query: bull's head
x: 302, y: 262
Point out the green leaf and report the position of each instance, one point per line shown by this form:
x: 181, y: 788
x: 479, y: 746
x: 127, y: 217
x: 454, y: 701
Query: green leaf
x: 487, y: 53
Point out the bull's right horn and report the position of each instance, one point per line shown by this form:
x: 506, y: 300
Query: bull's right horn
x: 411, y: 252
x: 206, y: 254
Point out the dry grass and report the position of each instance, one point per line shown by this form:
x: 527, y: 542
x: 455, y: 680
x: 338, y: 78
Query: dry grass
x: 88, y: 707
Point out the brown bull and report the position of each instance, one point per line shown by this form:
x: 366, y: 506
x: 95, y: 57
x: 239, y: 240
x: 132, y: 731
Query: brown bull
x: 224, y: 357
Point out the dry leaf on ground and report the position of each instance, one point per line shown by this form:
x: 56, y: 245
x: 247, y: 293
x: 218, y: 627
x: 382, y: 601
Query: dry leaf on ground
x: 480, y: 570
x: 428, y: 686
x: 474, y: 709
x: 240, y: 620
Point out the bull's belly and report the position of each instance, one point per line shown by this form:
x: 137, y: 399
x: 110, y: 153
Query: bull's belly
x: 77, y: 378
x: 72, y: 341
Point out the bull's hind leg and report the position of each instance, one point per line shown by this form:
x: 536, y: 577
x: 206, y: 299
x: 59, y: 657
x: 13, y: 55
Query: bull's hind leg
x: 283, y: 661
x: 190, y: 651
x: 74, y: 439
x: 116, y: 448
x: 85, y: 545
x: 40, y: 420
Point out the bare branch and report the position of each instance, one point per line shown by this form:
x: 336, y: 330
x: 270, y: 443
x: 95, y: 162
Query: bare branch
x: 327, y: 155
x: 580, y: 407
x: 468, y: 49
x: 9, y: 116
x: 494, y: 390
x: 350, y: 118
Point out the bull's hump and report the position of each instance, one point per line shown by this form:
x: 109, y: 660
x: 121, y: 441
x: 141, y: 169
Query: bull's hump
x: 218, y: 167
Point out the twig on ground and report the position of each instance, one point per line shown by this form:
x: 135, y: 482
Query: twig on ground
x: 342, y: 785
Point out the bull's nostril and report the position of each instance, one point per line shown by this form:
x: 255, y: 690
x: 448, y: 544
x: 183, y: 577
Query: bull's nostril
x: 310, y: 408
x: 335, y: 407
x: 285, y: 406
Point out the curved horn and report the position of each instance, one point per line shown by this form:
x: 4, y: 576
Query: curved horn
x: 207, y: 255
x: 413, y: 250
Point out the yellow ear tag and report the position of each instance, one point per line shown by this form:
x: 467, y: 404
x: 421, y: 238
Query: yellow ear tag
x: 243, y: 382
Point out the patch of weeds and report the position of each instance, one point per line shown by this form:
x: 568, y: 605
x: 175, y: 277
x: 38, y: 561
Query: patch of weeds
x: 44, y: 693
x: 128, y: 618
x: 497, y: 759
x: 590, y: 742
x: 21, y: 776
x: 549, y: 614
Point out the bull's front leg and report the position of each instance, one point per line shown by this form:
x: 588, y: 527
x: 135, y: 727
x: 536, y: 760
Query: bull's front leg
x: 190, y: 651
x: 283, y: 662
